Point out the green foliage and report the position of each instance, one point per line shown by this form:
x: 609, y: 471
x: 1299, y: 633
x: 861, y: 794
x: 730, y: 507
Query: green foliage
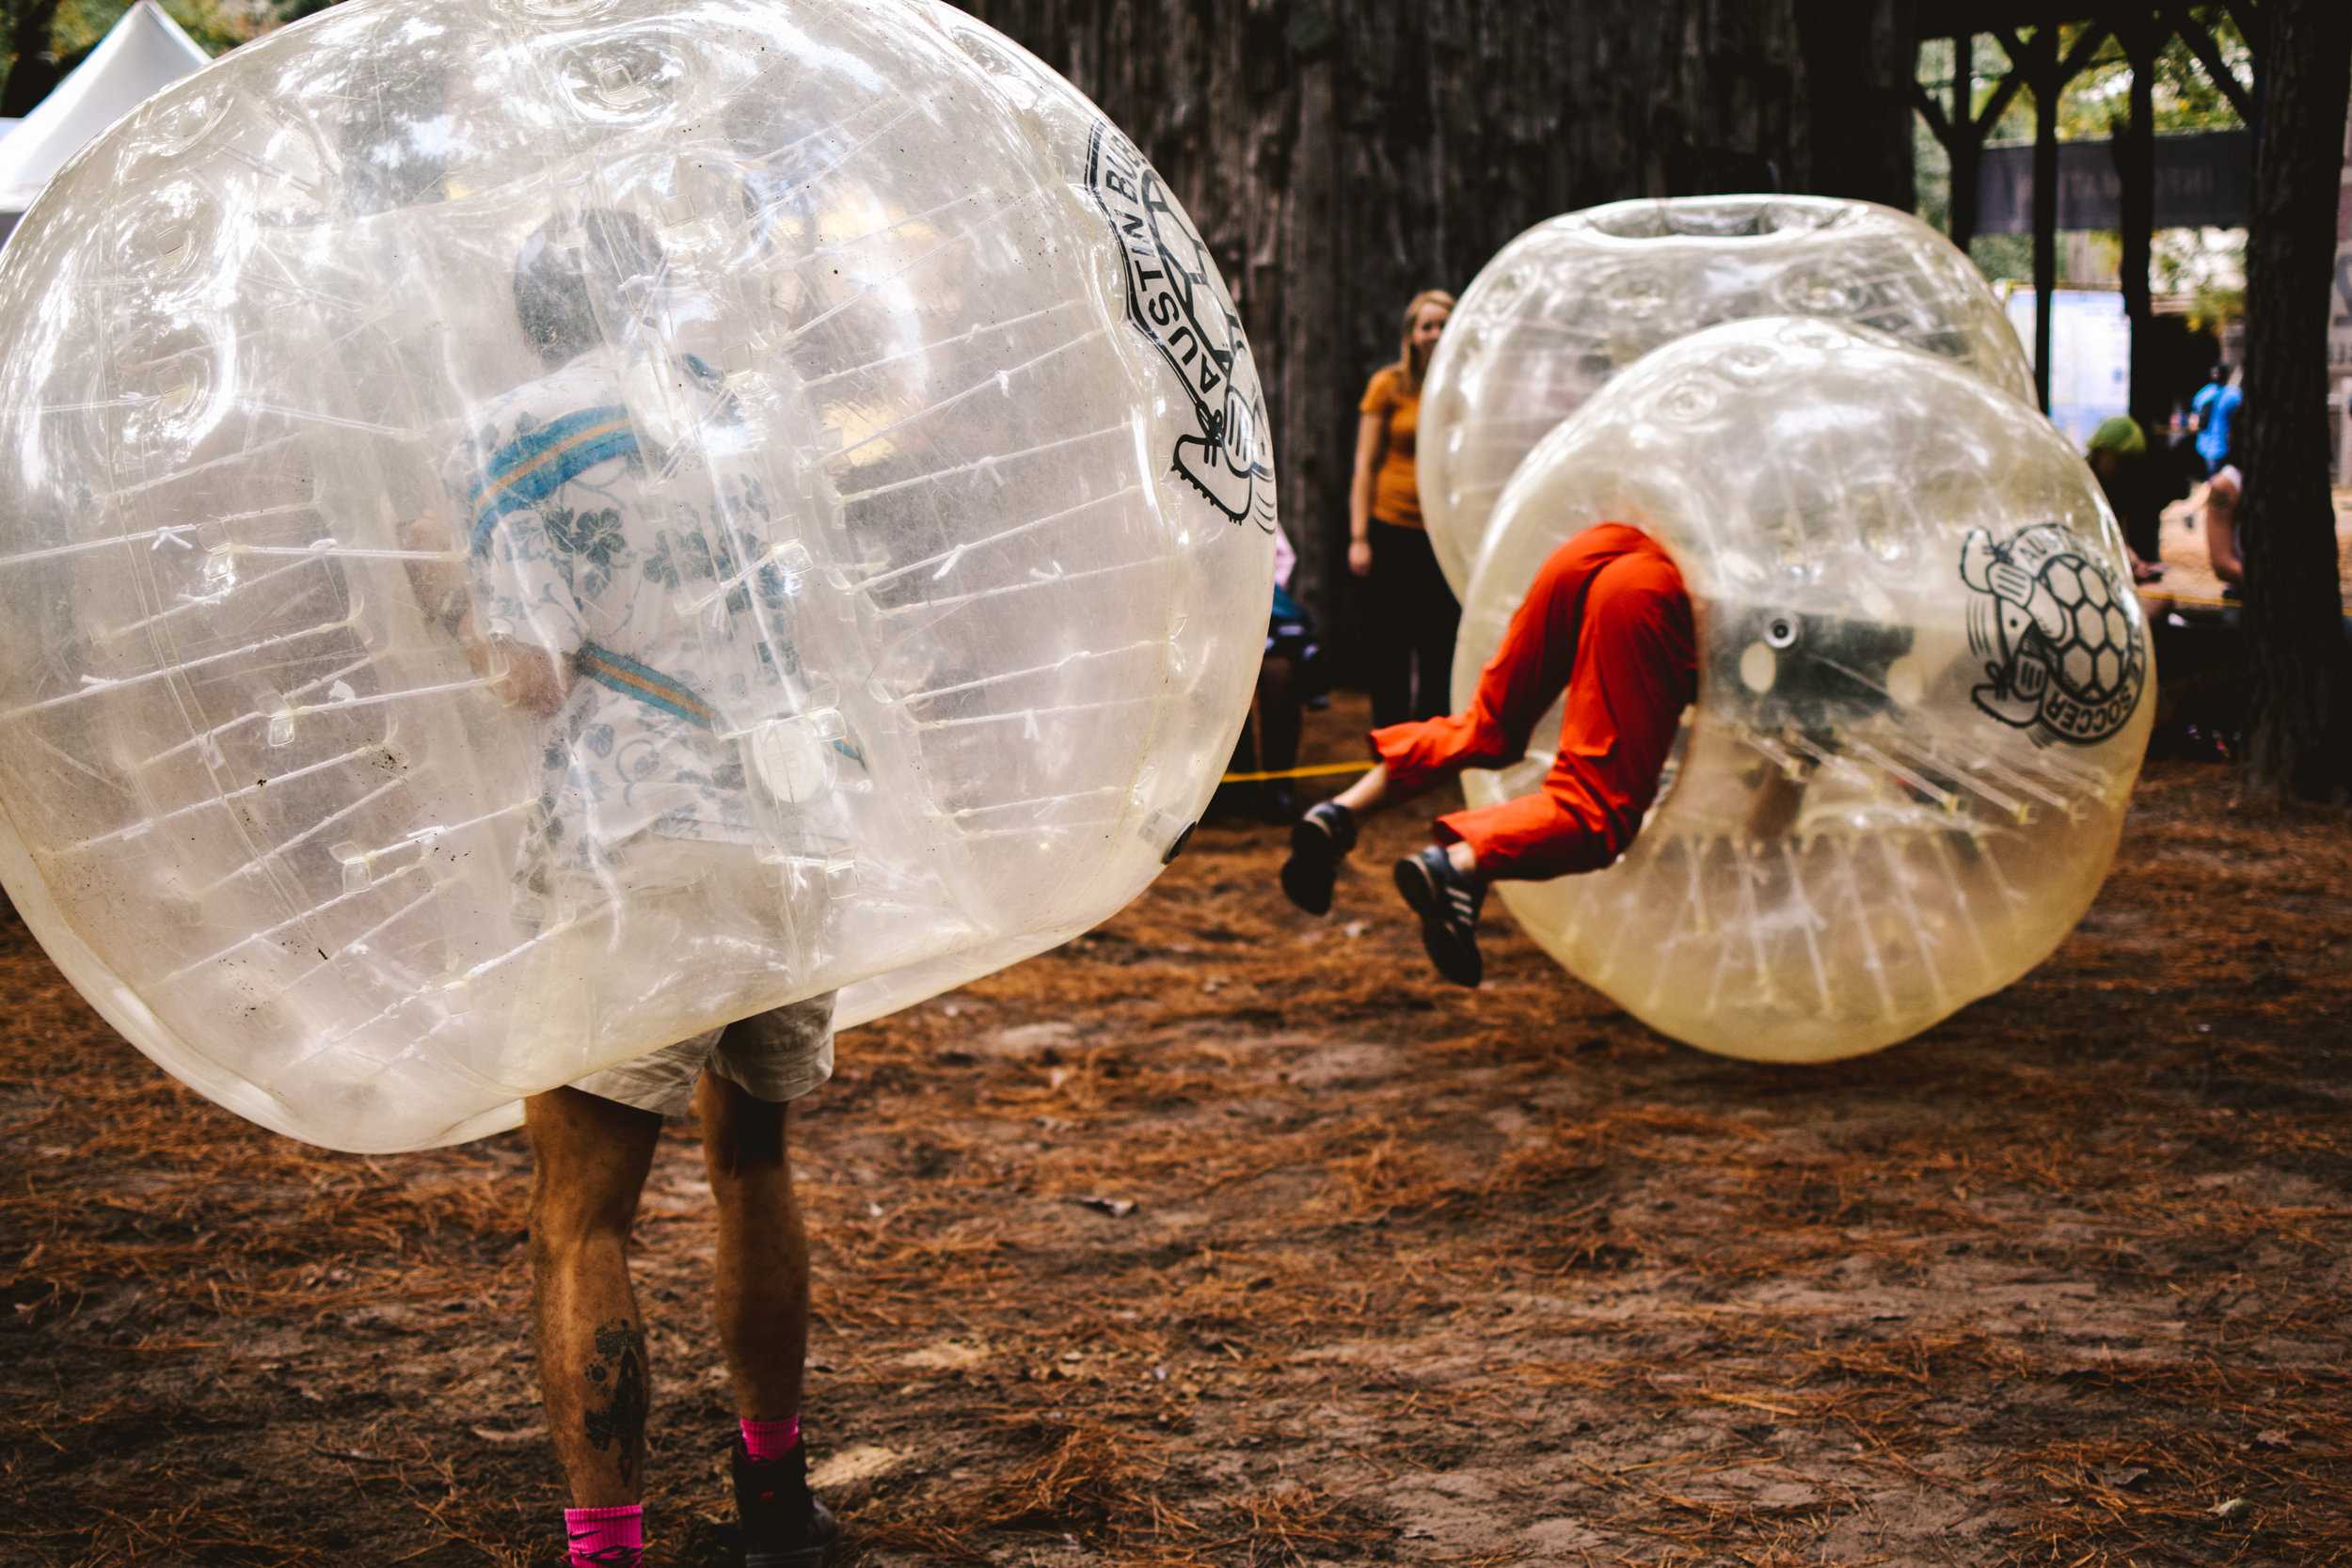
x: 2000, y: 256
x: 216, y: 25
x: 2098, y: 102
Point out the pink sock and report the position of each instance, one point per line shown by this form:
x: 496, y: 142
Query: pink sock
x: 606, y: 1537
x: 766, y: 1440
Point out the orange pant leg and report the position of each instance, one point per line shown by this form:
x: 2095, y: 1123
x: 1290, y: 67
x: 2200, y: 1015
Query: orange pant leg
x: 1529, y: 668
x: 1607, y: 618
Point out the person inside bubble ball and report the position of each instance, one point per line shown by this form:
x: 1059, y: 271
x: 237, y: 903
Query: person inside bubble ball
x: 1414, y: 614
x: 1607, y: 621
x: 573, y: 555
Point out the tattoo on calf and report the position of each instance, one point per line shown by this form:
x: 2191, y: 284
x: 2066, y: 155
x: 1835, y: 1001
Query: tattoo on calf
x: 618, y: 1372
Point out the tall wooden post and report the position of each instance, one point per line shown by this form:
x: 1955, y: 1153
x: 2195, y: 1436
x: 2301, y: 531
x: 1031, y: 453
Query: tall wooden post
x: 1967, y: 142
x: 2047, y: 83
x: 2135, y: 147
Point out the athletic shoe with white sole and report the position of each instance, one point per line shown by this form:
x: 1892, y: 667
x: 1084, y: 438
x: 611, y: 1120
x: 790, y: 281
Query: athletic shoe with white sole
x: 1448, y: 903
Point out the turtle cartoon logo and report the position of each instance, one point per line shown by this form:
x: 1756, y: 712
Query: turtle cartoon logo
x: 1176, y: 299
x: 2066, y: 654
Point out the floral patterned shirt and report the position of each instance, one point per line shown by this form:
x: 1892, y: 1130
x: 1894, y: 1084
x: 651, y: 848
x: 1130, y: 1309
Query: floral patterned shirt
x: 626, y: 564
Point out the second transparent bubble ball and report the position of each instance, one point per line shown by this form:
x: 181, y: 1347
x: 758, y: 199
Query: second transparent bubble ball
x: 1578, y: 298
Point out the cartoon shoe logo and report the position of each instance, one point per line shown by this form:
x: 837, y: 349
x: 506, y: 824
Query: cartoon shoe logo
x: 1176, y: 299
x: 2065, y: 651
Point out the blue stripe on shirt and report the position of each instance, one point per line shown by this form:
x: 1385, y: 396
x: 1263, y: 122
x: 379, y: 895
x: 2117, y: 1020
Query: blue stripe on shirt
x: 647, y: 685
x: 555, y: 456
x: 517, y: 454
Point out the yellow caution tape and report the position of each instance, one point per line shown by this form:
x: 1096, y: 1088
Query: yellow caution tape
x: 2197, y: 601
x: 1318, y: 770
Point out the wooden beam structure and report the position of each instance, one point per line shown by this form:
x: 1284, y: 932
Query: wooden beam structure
x: 2028, y: 32
x: 2200, y: 41
x: 2036, y: 60
x: 1963, y: 150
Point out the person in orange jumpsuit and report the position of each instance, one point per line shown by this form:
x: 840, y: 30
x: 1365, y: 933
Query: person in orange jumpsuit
x: 1607, y: 620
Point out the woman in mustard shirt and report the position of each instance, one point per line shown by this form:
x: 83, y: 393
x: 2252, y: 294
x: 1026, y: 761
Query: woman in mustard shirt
x: 1413, y: 611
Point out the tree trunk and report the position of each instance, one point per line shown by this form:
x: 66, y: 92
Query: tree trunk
x: 1338, y: 157
x: 1860, y: 62
x: 34, y: 72
x: 2301, y: 740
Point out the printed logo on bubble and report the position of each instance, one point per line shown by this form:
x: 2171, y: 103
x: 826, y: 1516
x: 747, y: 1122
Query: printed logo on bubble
x: 2064, y: 654
x: 1174, y: 299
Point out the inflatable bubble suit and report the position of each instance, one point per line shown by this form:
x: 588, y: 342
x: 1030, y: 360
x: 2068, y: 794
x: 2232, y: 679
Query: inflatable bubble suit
x: 536, y: 528
x: 1924, y: 688
x: 1578, y: 298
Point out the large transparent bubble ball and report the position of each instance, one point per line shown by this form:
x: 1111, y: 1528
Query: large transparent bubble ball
x: 1925, y: 687
x: 915, y: 448
x: 1578, y: 298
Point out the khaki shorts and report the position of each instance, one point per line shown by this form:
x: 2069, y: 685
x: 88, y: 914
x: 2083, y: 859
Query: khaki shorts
x: 776, y: 1056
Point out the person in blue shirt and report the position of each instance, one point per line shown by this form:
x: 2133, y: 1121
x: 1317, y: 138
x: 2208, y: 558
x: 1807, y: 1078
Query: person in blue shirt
x: 2211, y: 411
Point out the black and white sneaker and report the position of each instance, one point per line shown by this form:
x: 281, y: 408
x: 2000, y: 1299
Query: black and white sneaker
x: 1448, y: 903
x: 1319, y: 841
x: 781, y: 1524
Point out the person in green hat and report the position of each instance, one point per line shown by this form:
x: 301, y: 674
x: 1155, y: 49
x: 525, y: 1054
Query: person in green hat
x: 2118, y: 454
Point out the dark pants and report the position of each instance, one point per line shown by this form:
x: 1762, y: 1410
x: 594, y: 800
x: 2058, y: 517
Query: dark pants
x: 2143, y: 531
x: 1408, y: 659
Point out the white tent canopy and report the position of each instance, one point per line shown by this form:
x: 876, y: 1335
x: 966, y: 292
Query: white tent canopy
x: 144, y: 54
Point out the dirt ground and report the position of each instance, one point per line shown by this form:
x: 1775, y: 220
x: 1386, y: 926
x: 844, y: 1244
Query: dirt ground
x: 1227, y: 1236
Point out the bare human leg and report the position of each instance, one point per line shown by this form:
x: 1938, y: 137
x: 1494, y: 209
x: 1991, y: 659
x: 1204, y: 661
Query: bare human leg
x: 1367, y: 794
x: 762, y: 1275
x: 591, y: 1156
x: 762, y: 1309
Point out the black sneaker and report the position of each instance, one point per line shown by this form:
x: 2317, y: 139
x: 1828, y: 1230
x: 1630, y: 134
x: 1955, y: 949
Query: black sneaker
x: 1319, y: 841
x: 1448, y: 903
x: 781, y: 1525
